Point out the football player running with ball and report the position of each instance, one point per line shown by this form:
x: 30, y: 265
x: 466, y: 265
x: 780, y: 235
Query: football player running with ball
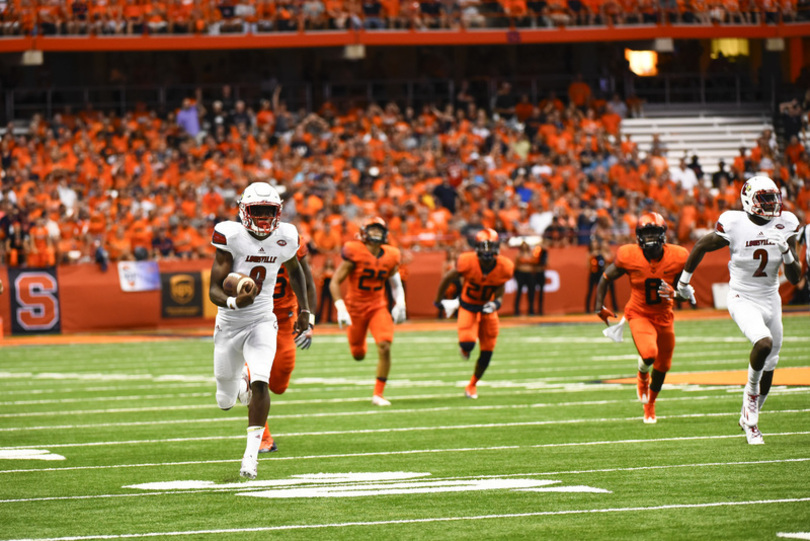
x: 652, y: 265
x: 246, y: 327
x: 368, y: 263
x: 484, y: 273
x: 760, y: 238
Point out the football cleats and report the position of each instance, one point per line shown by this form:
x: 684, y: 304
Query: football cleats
x: 373, y: 225
x: 260, y: 208
x: 487, y: 244
x: 760, y: 197
x: 651, y: 234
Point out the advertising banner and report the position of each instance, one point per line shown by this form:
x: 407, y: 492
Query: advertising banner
x: 34, y: 301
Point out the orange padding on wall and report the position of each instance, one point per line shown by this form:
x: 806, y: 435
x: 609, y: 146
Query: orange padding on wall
x: 91, y: 300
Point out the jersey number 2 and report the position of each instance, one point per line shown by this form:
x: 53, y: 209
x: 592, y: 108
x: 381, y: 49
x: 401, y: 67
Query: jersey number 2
x: 762, y: 255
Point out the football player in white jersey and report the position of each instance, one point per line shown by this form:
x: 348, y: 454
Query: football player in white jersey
x: 246, y: 328
x: 760, y: 239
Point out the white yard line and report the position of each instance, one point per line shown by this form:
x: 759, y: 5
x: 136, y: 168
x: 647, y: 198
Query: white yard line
x: 248, y: 486
x: 411, y: 452
x: 478, y: 426
x: 231, y: 531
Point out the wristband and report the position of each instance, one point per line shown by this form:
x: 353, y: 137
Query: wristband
x: 340, y: 305
x: 787, y: 257
x: 311, y: 318
x: 685, y: 277
x: 231, y: 302
x: 497, y: 304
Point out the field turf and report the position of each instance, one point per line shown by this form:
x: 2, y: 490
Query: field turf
x: 548, y: 451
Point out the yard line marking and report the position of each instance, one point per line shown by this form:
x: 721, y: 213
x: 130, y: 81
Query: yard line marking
x: 249, y: 486
x: 371, y: 412
x: 794, y: 535
x: 411, y: 452
x: 533, y: 387
x: 422, y: 520
x: 106, y: 398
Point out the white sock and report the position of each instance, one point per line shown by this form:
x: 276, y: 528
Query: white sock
x: 643, y: 368
x: 254, y: 440
x: 754, y: 376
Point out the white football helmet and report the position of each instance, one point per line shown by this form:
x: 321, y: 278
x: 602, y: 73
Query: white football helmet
x: 761, y: 197
x: 260, y: 208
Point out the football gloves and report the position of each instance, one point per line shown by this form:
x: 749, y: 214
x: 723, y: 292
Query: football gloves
x: 343, y: 317
x: 490, y: 307
x: 685, y: 291
x: 449, y: 306
x: 304, y: 339
x: 398, y: 313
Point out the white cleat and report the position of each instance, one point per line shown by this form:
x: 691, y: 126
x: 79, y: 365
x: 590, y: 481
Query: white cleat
x: 750, y: 410
x: 250, y: 466
x: 245, y: 393
x: 752, y: 434
x: 377, y: 400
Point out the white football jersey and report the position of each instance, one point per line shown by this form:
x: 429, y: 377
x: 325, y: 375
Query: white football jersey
x: 754, y: 264
x: 259, y: 259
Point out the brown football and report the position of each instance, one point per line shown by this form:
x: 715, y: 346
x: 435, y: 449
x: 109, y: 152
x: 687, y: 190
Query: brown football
x: 236, y: 283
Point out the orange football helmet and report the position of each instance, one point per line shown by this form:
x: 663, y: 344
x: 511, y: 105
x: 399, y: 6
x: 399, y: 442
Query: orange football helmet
x: 651, y: 234
x: 375, y: 224
x: 487, y: 244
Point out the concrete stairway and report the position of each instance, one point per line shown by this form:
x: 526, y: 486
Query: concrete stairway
x: 711, y: 133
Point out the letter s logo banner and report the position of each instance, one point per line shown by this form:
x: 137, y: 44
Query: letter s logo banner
x: 34, y: 301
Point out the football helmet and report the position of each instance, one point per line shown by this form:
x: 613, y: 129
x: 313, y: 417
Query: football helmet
x: 651, y: 234
x: 260, y: 208
x: 375, y: 230
x: 761, y: 197
x: 487, y: 244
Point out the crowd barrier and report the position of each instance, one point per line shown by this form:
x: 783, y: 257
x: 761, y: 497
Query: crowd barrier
x: 165, y: 294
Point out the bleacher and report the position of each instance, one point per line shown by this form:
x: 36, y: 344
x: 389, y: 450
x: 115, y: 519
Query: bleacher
x: 711, y: 133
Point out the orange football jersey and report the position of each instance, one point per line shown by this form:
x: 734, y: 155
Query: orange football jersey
x: 285, y: 304
x: 479, y: 287
x: 366, y: 282
x: 645, y: 277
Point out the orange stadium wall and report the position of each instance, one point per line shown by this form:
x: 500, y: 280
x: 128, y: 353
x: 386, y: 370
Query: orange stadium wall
x: 91, y: 300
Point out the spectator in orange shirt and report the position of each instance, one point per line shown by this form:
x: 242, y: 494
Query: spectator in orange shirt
x: 119, y: 245
x: 326, y: 239
x: 579, y: 93
x: 41, y: 250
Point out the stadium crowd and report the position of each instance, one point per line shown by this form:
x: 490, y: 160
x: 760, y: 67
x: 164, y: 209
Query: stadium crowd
x: 110, y: 17
x: 94, y: 186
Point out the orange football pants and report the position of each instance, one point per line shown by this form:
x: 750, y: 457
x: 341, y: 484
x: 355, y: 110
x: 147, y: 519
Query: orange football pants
x: 476, y: 326
x: 654, y: 341
x: 377, y: 321
x: 284, y: 361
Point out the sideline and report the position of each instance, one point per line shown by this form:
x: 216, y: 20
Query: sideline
x: 420, y: 325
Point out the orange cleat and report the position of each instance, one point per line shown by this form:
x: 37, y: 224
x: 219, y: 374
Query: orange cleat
x: 643, y: 387
x: 470, y: 391
x: 268, y: 444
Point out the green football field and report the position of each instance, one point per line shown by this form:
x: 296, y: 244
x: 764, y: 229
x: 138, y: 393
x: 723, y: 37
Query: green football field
x: 124, y: 441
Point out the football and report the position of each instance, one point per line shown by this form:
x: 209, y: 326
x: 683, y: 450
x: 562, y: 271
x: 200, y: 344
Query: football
x: 236, y: 283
